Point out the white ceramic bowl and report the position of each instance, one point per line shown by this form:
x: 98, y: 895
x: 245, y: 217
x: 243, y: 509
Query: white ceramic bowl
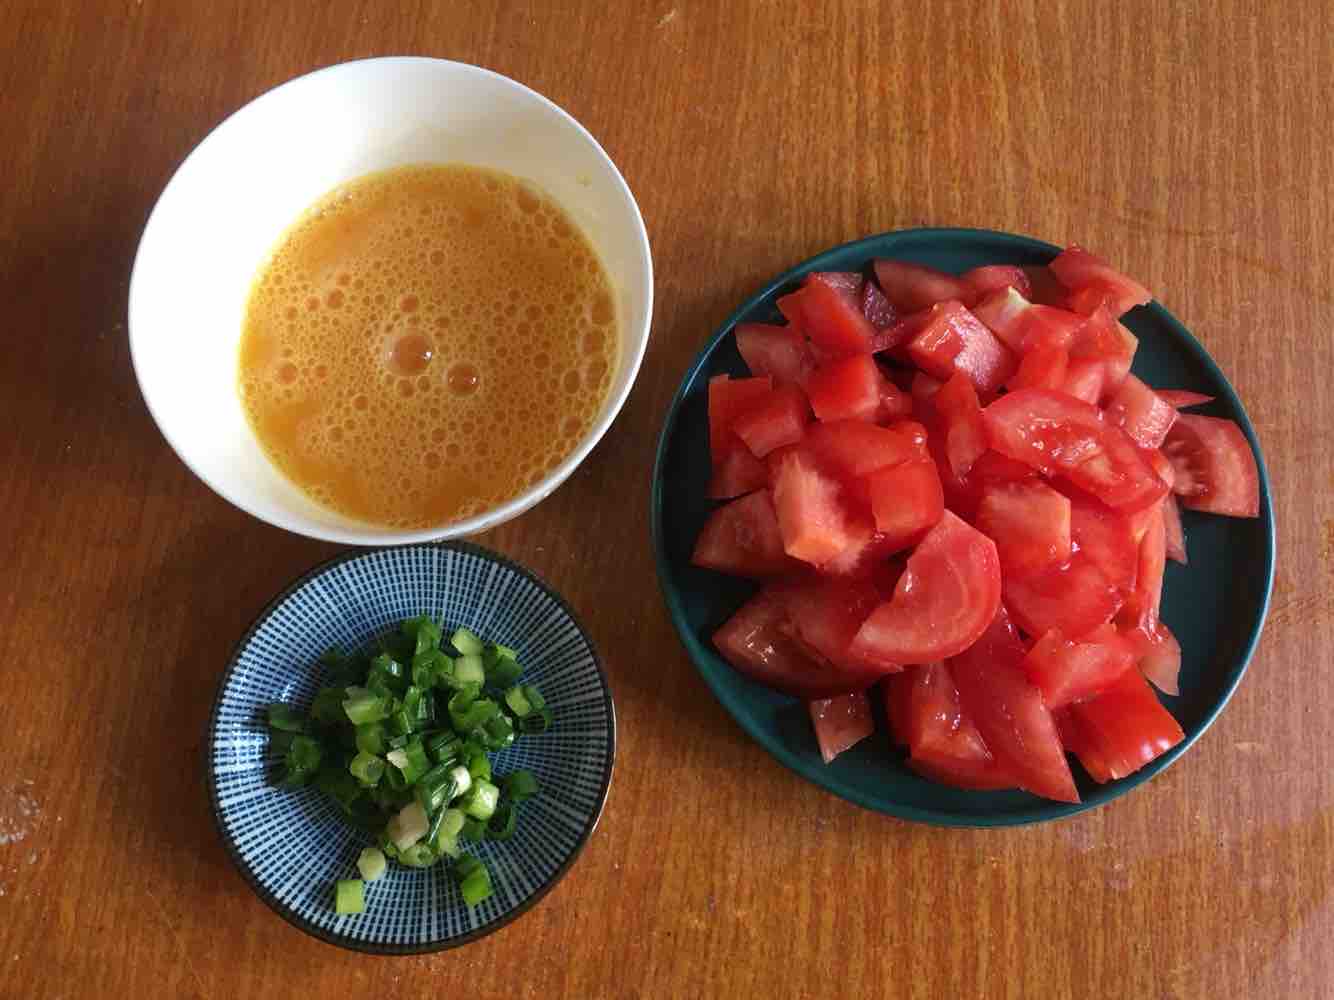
x: 255, y: 173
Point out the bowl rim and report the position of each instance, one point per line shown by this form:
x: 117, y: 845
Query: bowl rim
x: 1043, y: 810
x: 371, y: 535
x: 371, y: 947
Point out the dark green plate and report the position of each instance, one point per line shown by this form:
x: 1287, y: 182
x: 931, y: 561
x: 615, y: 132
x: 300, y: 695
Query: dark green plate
x: 1215, y: 606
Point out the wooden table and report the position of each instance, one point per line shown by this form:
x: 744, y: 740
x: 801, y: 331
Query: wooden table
x: 1188, y: 142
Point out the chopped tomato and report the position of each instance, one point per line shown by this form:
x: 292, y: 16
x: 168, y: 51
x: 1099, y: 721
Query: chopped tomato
x: 1104, y: 340
x: 840, y: 723
x: 1003, y: 313
x: 737, y: 472
x: 1079, y: 743
x: 852, y: 448
x: 944, y: 743
x: 849, y: 388
x: 728, y: 399
x: 777, y: 420
x: 1107, y: 539
x: 895, y: 404
x: 1069, y: 670
x: 906, y: 501
x: 1059, y: 435
x: 1152, y: 562
x: 1159, y: 656
x: 1174, y: 534
x: 1046, y: 290
x: 742, y: 538
x: 1009, y: 712
x: 950, y: 339
x: 914, y: 287
x: 1183, y: 399
x: 825, y: 615
x: 1075, y: 597
x: 981, y: 282
x: 1141, y: 412
x: 965, y: 435
x: 1041, y: 368
x: 834, y: 321
x: 1084, y: 378
x: 877, y: 308
x: 811, y: 519
x: 1030, y: 524
x: 1156, y: 648
x: 1095, y: 283
x: 1022, y: 325
x: 780, y: 352
x: 1127, y: 725
x: 849, y: 283
x: 1215, y: 468
x: 790, y: 305
x: 896, y: 690
x: 945, y: 599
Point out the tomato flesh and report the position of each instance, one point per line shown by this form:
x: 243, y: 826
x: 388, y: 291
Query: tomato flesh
x: 776, y: 420
x: 945, y: 599
x: 852, y: 448
x: 1074, y: 597
x: 811, y: 519
x: 1042, y: 367
x: 1127, y: 725
x: 943, y: 742
x: 1174, y: 534
x: 1141, y: 412
x: 1107, y: 539
x: 849, y: 388
x: 1215, y: 468
x: 1069, y: 670
x: 877, y: 308
x: 833, y: 320
x: 742, y: 538
x: 1096, y: 283
x: 906, y: 501
x: 984, y: 281
x: 965, y: 435
x: 1183, y: 399
x: 914, y: 287
x: 780, y: 352
x: 737, y: 472
x: 840, y: 723
x: 1029, y: 522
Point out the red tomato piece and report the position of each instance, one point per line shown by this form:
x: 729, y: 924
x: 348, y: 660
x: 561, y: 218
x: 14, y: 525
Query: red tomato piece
x: 1160, y: 659
x: 728, y: 399
x: 736, y: 472
x: 756, y: 641
x: 1009, y: 712
x: 945, y: 599
x: 1067, y: 671
x: 1096, y: 283
x: 1041, y: 368
x: 1046, y: 290
x: 1075, y: 597
x: 896, y: 690
x: 811, y: 519
x: 847, y: 389
x: 993, y: 467
x: 914, y: 287
x: 1079, y: 743
x: 1141, y: 412
x: 1152, y: 562
x: 1084, y: 378
x: 1127, y: 725
x: 877, y: 308
x: 1183, y: 399
x: 944, y: 743
x: 1030, y: 524
x: 965, y: 435
x: 790, y: 305
x: 1103, y: 339
x: 780, y: 352
x: 834, y: 321
x: 1003, y: 313
x: 742, y: 538
x: 906, y: 501
x: 853, y: 448
x: 840, y: 723
x: 777, y: 420
x: 1107, y: 539
x: 1059, y: 435
x: 981, y: 282
x: 1048, y: 326
x: 1215, y: 468
x: 825, y: 615
x: 849, y: 283
x: 952, y: 339
x: 1174, y: 534
x: 895, y: 404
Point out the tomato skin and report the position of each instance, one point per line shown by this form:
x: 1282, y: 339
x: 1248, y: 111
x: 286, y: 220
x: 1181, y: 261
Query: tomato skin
x: 742, y: 538
x: 1141, y: 412
x: 849, y: 449
x: 1174, y: 533
x: 840, y: 723
x: 1068, y: 670
x: 849, y: 388
x: 945, y: 599
x: 1041, y: 368
x: 943, y: 742
x: 906, y: 501
x: 1215, y: 468
x: 981, y: 282
x: 877, y: 308
x: 1074, y: 598
x: 914, y: 287
x: 965, y: 435
x: 1183, y: 399
x: 780, y: 352
x: 824, y: 615
x: 774, y: 421
x: 834, y: 321
x: 1127, y: 725
x: 1107, y: 539
x: 1029, y: 522
x: 1082, y: 745
x: 1009, y: 712
x: 1096, y: 283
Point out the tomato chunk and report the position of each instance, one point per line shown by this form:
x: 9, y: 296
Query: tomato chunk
x: 1127, y: 725
x: 853, y: 448
x: 1175, y: 535
x: 945, y: 599
x: 1215, y: 468
x: 981, y: 282
x: 877, y: 308
x: 780, y: 352
x: 1057, y: 434
x: 1183, y: 399
x: 944, y: 743
x: 1009, y: 712
x: 849, y: 388
x: 914, y: 287
x: 742, y: 538
x: 1070, y: 670
x: 950, y: 338
x: 1141, y: 412
x: 1030, y: 524
x: 1046, y: 290
x: 1075, y: 598
x: 1084, y: 379
x: 965, y: 434
x: 1096, y: 283
x: 1106, y: 341
x: 834, y: 321
x: 728, y: 399
x: 736, y: 472
x: 906, y: 501
x: 811, y: 519
x: 1043, y: 367
x: 1107, y: 539
x: 825, y: 614
x: 840, y: 723
x: 774, y: 421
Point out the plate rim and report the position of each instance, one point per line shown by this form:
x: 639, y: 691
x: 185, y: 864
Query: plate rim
x: 429, y: 947
x: 1043, y: 810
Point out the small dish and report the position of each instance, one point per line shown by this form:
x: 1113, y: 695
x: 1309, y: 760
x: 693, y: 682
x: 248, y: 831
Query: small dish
x: 1215, y: 606
x: 250, y: 179
x: 292, y: 846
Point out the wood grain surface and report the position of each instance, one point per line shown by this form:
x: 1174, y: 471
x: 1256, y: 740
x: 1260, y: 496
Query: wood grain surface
x: 1187, y: 141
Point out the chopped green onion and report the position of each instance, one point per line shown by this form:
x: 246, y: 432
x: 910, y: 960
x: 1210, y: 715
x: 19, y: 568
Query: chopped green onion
x: 501, y: 824
x: 399, y: 722
x: 503, y: 671
x: 389, y: 673
x: 419, y: 705
x: 474, y: 715
x: 498, y: 732
x: 424, y: 632
x: 419, y: 855
x: 327, y: 708
x: 301, y: 762
x: 349, y: 896
x: 443, y: 747
x: 480, y: 800
x: 371, y: 864
x: 362, y: 706
x: 411, y: 760
x: 519, y: 785
x: 535, y: 722
x: 474, y: 880
x: 335, y: 781
x: 468, y: 669
x: 479, y: 766
x: 287, y: 718
x: 342, y: 670
x: 407, y: 826
x: 466, y: 643
x: 436, y: 788
x: 444, y: 838
x: 474, y: 830
x: 367, y: 768
x: 517, y: 701
x: 370, y: 738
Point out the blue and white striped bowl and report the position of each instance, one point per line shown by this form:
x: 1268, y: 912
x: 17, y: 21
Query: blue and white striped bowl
x: 292, y: 846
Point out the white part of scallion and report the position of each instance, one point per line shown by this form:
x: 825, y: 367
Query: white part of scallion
x: 371, y: 863
x: 409, y: 825
x: 462, y: 780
